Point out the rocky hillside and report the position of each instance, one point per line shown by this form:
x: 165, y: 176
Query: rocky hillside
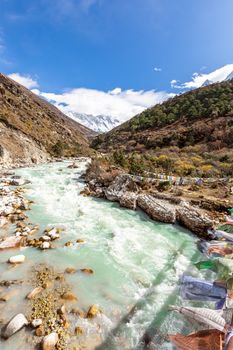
x: 191, y: 134
x: 33, y: 130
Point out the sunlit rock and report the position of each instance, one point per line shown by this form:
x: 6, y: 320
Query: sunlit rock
x: 17, y: 259
x: 50, y: 341
x: 14, y: 325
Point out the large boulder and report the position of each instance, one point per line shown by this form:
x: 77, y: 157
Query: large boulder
x: 128, y: 200
x: 157, y: 209
x: 194, y: 220
x: 11, y: 242
x: 121, y: 184
x: 14, y: 325
x: 17, y: 259
x: 50, y: 341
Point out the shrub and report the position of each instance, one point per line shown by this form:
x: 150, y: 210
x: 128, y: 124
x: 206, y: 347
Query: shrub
x: 184, y: 168
x: 119, y: 158
x: 58, y: 148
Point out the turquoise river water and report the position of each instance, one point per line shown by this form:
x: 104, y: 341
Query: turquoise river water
x: 137, y: 262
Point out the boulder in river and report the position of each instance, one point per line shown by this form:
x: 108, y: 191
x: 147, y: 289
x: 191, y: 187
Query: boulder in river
x: 78, y: 331
x: 40, y: 331
x: 34, y: 293
x: 11, y: 242
x: 50, y: 341
x: 45, y: 245
x: 93, y: 311
x: 157, y: 209
x: 87, y: 271
x: 17, y: 259
x: 14, y: 325
x: 45, y: 238
x: 194, y: 220
x: 128, y: 200
x: 36, y: 322
x: 69, y: 297
x: 119, y: 186
x: 70, y: 270
x: 69, y: 244
x: 80, y: 241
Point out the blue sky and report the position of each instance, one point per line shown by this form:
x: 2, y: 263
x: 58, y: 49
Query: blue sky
x: 101, y: 45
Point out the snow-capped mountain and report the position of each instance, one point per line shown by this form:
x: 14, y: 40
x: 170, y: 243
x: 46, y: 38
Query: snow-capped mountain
x: 230, y: 76
x: 99, y: 123
x: 208, y: 82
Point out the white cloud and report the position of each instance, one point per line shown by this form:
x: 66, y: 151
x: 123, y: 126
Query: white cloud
x: 198, y: 79
x: 121, y: 104
x: 157, y: 69
x: 24, y: 80
x: 173, y: 83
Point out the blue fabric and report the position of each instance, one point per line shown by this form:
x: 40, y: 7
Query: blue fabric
x: 195, y: 289
x: 228, y: 338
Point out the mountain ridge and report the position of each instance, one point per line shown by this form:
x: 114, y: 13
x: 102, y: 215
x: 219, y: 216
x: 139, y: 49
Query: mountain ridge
x: 100, y: 123
x: 28, y: 119
x: 190, y: 134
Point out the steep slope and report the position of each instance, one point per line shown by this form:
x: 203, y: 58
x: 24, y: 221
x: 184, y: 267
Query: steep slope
x: 197, y: 123
x: 33, y: 129
x: 98, y: 123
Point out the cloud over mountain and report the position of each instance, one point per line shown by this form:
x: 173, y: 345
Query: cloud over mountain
x: 121, y: 104
x: 199, y: 79
x: 24, y: 80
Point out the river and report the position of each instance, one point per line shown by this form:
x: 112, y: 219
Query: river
x: 137, y: 262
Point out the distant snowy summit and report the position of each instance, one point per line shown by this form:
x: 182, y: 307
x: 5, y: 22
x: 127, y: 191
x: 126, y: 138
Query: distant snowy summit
x: 99, y: 123
x: 208, y: 82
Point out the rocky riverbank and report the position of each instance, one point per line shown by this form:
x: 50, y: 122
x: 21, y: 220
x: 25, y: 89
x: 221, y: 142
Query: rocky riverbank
x: 49, y: 315
x: 197, y: 214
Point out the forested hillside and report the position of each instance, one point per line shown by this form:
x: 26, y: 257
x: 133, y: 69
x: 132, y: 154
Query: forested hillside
x: 190, y: 134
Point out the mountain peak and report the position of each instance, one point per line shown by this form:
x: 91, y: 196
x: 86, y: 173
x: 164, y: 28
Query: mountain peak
x: 100, y: 123
x: 230, y: 76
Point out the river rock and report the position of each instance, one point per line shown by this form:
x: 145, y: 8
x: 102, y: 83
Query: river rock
x: 78, y: 331
x: 34, y: 293
x: 194, y: 220
x: 87, y: 271
x: 157, y: 209
x: 69, y: 244
x: 78, y: 312
x: 72, y: 166
x: 36, y: 322
x: 45, y: 238
x: 14, y: 325
x: 53, y: 235
x: 128, y: 200
x: 50, y: 341
x: 8, y: 283
x: 70, y: 270
x: 80, y: 241
x: 17, y: 259
x: 11, y: 242
x: 40, y: 331
x: 93, y: 311
x: 61, y: 310
x: 119, y: 186
x: 45, y: 245
x: 69, y: 297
